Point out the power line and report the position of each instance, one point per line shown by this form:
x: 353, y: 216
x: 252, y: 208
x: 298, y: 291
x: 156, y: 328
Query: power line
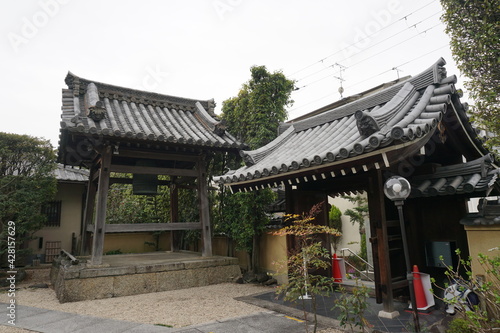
x: 373, y: 45
x: 365, y: 80
x: 373, y: 55
x: 366, y: 37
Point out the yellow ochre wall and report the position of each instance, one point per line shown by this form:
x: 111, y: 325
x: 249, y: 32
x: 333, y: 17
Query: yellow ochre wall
x: 71, y: 196
x: 135, y: 242
x: 482, y: 238
x: 273, y: 256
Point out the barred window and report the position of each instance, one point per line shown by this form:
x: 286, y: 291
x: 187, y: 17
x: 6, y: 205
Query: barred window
x: 52, y: 210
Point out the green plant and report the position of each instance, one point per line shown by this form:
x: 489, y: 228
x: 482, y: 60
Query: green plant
x: 27, y: 183
x: 352, y: 307
x: 305, y: 260
x: 459, y: 325
x: 253, y: 116
x: 335, y: 221
x: 357, y: 215
x: 473, y: 29
x: 475, y: 298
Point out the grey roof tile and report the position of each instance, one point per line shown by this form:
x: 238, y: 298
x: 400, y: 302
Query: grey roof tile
x: 488, y: 214
x: 475, y: 176
x: 401, y: 113
x: 69, y: 174
x: 140, y: 115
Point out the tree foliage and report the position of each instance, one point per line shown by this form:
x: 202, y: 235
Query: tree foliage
x: 27, y: 181
x: 474, y: 30
x: 253, y: 117
x: 335, y: 221
x: 246, y: 217
x: 255, y: 114
x: 357, y: 215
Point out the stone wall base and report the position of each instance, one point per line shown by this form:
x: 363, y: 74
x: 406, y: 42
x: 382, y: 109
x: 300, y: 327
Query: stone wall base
x: 82, y: 282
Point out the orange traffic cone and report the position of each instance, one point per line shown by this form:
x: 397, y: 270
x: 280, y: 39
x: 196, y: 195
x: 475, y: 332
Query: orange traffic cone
x: 419, y: 289
x: 337, y: 274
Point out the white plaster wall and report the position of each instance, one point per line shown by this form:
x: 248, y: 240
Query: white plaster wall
x: 350, y: 233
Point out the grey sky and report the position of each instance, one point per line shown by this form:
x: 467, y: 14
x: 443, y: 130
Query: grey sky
x: 204, y: 49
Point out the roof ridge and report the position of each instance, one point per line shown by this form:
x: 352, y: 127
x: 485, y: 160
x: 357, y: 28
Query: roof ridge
x: 432, y: 75
x: 79, y: 85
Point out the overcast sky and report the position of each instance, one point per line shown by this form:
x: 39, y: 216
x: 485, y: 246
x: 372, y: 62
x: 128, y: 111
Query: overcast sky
x: 204, y: 49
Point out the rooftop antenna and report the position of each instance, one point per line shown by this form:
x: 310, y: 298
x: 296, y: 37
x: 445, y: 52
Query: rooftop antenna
x: 397, y: 70
x: 340, y: 78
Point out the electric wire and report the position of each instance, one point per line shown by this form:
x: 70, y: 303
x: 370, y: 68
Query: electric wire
x: 363, y: 81
x: 366, y: 37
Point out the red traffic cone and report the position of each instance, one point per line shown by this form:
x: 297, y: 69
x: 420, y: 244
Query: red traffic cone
x: 337, y: 274
x: 420, y: 298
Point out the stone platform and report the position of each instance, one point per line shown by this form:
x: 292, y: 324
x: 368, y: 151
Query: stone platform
x: 131, y: 274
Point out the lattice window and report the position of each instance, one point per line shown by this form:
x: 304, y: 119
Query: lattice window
x: 52, y: 210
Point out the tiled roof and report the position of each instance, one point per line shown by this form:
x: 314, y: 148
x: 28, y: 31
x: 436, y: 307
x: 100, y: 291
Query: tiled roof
x: 120, y: 113
x: 69, y: 174
x: 476, y: 176
x: 489, y: 214
x: 397, y: 116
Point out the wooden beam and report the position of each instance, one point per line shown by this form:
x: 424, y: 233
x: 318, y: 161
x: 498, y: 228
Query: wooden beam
x: 116, y: 180
x: 164, y: 155
x: 146, y: 227
x: 206, y: 233
x: 174, y: 216
x: 153, y: 170
x: 380, y: 246
x: 102, y: 196
x: 89, y: 211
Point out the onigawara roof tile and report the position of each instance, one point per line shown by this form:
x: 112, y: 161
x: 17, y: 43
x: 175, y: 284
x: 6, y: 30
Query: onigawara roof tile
x: 95, y: 108
x: 69, y: 174
x: 403, y: 114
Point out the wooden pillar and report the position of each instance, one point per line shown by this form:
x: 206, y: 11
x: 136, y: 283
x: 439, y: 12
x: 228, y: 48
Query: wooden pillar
x: 89, y: 211
x: 206, y: 233
x: 174, y: 215
x: 380, y: 246
x: 102, y: 196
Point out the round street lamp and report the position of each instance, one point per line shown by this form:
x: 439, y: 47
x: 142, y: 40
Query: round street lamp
x: 398, y: 189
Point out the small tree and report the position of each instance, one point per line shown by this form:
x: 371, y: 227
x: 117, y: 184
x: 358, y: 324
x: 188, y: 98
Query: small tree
x: 308, y: 257
x: 335, y: 221
x: 358, y: 215
x: 352, y: 307
x: 27, y: 181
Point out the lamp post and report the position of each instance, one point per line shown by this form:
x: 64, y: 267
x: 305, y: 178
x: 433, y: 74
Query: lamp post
x: 398, y: 189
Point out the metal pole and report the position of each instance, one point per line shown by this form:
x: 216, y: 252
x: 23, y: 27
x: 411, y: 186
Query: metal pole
x: 409, y: 275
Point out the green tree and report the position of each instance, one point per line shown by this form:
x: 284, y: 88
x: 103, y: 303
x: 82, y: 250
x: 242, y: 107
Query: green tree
x: 27, y: 181
x: 335, y: 221
x: 474, y: 30
x: 255, y: 114
x: 357, y: 215
x: 253, y: 117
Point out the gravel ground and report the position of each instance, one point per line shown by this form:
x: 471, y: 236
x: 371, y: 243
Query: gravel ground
x: 178, y: 308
